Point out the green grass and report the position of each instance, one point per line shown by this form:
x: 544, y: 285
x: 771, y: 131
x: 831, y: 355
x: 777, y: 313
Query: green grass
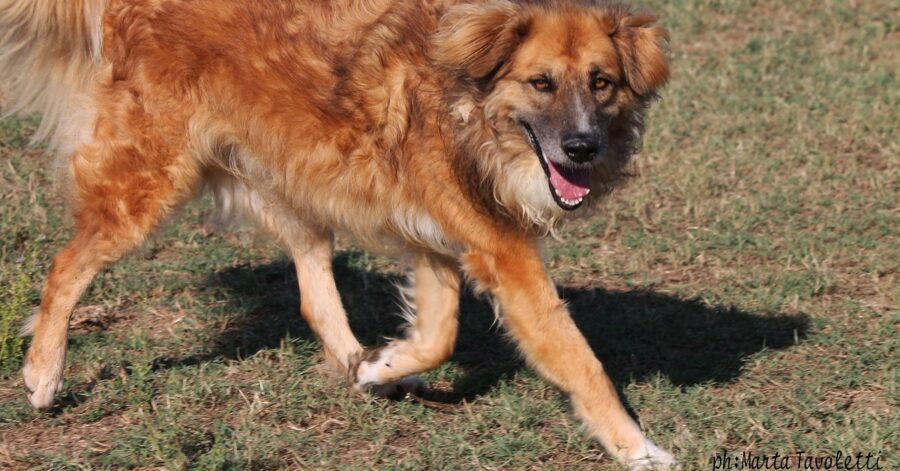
x: 743, y: 291
x: 15, y: 302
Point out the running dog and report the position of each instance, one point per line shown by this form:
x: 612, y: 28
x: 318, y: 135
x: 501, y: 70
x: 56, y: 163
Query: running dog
x: 455, y: 133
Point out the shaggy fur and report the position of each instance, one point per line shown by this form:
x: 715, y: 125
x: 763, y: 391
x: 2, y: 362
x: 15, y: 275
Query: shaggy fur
x: 454, y: 132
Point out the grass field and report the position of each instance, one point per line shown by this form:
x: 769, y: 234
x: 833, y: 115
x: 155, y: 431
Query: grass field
x: 743, y: 291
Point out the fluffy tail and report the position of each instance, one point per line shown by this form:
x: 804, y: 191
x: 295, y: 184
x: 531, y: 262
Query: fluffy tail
x: 49, y: 53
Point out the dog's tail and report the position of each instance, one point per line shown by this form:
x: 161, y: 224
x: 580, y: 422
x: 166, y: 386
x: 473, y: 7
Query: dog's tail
x: 50, y: 51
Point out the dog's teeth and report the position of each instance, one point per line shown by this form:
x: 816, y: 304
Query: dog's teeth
x: 569, y: 202
x: 557, y: 192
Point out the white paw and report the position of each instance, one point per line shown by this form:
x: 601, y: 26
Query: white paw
x: 651, y: 458
x: 42, y: 386
x: 368, y: 374
x: 370, y: 369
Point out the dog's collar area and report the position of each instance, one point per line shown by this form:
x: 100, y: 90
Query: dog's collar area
x: 554, y: 172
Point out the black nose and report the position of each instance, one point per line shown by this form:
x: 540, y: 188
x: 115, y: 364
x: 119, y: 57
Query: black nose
x: 580, y: 147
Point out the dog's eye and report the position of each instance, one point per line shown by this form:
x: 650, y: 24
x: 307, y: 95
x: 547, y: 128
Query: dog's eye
x: 599, y: 83
x: 542, y: 84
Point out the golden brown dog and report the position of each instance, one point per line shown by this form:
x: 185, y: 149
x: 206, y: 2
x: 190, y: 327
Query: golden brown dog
x: 454, y: 132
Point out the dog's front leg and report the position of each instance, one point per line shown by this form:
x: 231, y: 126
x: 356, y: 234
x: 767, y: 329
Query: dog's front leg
x: 432, y: 305
x: 545, y: 333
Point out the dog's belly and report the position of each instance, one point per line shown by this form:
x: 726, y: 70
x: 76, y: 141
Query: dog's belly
x: 386, y: 222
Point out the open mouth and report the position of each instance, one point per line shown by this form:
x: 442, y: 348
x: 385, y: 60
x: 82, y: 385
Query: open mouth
x: 568, y: 185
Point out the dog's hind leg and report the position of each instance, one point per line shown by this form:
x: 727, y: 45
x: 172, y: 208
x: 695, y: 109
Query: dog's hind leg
x: 320, y: 303
x: 432, y: 307
x: 123, y: 187
x: 72, y: 271
x: 312, y: 250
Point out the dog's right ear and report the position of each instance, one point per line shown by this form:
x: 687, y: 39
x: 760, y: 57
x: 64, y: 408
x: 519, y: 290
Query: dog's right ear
x: 474, y: 40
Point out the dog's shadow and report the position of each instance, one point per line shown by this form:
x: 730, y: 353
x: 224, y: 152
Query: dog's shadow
x: 637, y: 334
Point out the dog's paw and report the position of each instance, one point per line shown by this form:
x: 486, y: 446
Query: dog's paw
x: 360, y: 372
x: 651, y: 458
x: 369, y: 369
x: 42, y: 385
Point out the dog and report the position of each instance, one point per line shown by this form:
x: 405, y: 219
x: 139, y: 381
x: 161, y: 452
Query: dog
x: 453, y: 133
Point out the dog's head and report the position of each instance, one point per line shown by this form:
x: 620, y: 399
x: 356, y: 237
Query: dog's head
x: 549, y: 94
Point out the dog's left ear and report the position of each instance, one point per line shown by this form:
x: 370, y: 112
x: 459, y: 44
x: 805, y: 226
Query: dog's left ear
x: 642, y: 46
x: 474, y: 40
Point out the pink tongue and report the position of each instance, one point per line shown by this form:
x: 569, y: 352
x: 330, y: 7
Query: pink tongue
x: 572, y: 183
